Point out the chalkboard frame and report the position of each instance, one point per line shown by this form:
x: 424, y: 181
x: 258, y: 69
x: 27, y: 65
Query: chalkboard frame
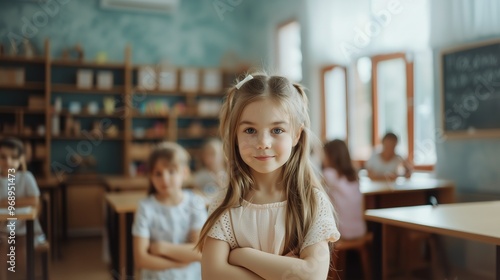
x: 476, y: 133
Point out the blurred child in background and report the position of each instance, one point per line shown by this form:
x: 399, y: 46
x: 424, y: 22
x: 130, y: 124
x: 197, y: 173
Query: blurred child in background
x: 16, y: 181
x: 168, y: 222
x: 341, y: 179
x: 384, y: 165
x: 211, y: 177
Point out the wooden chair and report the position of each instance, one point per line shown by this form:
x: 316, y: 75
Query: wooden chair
x: 338, y: 264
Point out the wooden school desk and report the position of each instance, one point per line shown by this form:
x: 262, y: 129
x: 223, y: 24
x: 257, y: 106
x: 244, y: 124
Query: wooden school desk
x: 122, y: 183
x: 29, y: 217
x: 477, y: 221
x: 121, y: 208
x: 405, y: 192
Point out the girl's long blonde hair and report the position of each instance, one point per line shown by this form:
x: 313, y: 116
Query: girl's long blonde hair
x: 298, y: 176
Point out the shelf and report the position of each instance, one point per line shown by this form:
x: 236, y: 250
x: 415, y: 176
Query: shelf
x: 25, y: 86
x: 149, y: 116
x: 33, y: 111
x: 137, y: 91
x: 20, y: 59
x: 186, y: 116
x: 73, y: 89
x: 24, y: 110
x: 150, y: 138
x: 23, y: 136
x: 82, y: 137
x: 66, y: 113
x: 88, y: 64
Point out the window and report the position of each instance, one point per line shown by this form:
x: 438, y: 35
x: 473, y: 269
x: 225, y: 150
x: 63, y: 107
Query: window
x: 394, y: 104
x: 360, y: 112
x: 382, y: 100
x: 289, y: 53
x: 393, y: 100
x: 334, y: 100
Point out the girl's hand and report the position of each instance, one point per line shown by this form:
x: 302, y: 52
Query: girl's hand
x: 159, y: 248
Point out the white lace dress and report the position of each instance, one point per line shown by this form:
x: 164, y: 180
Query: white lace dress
x: 262, y: 226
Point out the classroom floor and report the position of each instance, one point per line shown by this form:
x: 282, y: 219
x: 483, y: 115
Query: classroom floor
x: 82, y: 260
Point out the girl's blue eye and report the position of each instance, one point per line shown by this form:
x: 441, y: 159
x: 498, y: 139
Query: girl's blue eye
x: 278, y: 130
x: 250, y: 130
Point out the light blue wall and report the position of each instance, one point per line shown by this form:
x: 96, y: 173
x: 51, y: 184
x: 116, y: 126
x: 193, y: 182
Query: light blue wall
x: 194, y: 34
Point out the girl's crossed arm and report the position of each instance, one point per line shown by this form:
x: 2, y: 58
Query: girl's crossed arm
x: 145, y: 260
x: 215, y: 263
x: 179, y: 252
x: 313, y: 263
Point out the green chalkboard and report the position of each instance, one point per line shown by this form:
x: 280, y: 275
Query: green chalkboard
x: 471, y: 88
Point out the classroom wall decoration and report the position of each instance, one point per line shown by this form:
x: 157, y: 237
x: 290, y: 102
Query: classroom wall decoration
x: 471, y: 89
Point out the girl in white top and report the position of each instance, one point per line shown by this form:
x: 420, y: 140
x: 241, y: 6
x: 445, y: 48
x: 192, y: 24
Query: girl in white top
x: 343, y: 188
x: 168, y: 222
x: 384, y: 165
x: 274, y: 220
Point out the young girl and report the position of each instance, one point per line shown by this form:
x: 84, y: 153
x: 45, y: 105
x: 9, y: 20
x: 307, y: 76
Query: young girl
x: 167, y: 223
x: 209, y: 179
x: 384, y: 165
x: 343, y: 188
x: 274, y: 221
x: 13, y: 166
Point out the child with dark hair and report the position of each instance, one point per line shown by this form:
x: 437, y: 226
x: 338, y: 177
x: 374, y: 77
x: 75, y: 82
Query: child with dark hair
x: 16, y: 181
x: 384, y: 165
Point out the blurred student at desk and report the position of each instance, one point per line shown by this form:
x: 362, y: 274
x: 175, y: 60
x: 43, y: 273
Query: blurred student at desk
x: 384, y: 165
x: 16, y: 181
x: 342, y: 183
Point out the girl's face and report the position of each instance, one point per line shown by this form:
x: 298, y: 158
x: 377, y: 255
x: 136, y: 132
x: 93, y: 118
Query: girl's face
x: 265, y: 136
x: 167, y: 178
x: 9, y: 158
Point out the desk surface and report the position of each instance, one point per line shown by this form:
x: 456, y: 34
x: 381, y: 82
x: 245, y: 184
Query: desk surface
x: 31, y: 215
x: 125, y: 183
x: 474, y: 221
x: 369, y: 187
x: 125, y: 202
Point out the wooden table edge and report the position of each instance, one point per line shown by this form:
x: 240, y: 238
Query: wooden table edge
x: 434, y: 229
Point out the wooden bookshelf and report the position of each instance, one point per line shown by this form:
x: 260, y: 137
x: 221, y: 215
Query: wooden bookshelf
x: 127, y: 117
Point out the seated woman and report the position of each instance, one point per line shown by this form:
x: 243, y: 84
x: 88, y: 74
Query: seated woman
x: 384, y: 165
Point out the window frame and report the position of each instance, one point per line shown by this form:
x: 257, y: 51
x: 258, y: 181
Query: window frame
x: 323, y: 72
x: 410, y: 91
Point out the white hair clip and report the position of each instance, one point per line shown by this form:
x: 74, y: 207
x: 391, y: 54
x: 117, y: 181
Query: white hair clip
x: 247, y: 78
